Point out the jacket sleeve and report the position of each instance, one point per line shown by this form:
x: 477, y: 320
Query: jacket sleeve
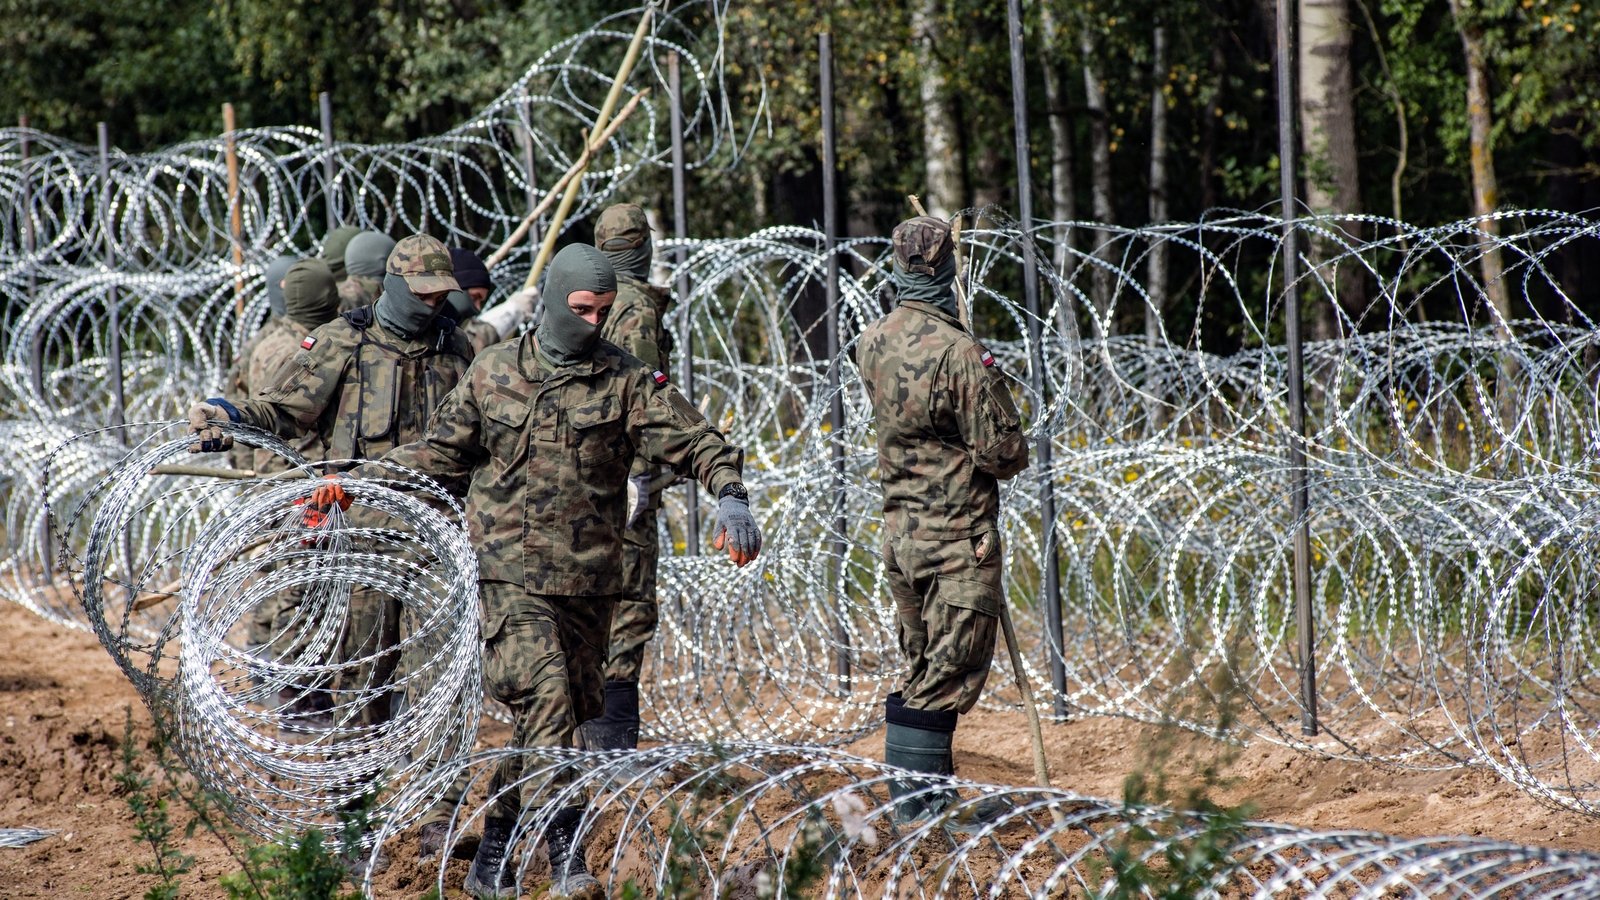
x: 669, y: 431
x: 991, y: 427
x: 451, y: 446
x: 301, y: 391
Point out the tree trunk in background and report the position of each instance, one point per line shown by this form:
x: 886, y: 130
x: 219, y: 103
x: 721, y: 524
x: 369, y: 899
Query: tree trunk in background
x: 940, y: 145
x: 1063, y: 205
x: 1328, y: 141
x: 1099, y: 175
x: 1156, y: 262
x: 1485, y: 189
x: 987, y: 178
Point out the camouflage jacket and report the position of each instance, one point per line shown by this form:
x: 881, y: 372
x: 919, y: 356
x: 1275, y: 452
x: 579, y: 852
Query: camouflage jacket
x: 362, y: 390
x: 357, y: 291
x: 635, y: 325
x: 548, y: 451
x: 275, y: 345
x: 947, y: 426
x: 636, y: 322
x: 238, y: 385
x: 480, y: 334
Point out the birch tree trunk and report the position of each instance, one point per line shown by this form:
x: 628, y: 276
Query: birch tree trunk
x: 1485, y: 189
x: 1099, y: 176
x: 941, y: 148
x: 1328, y: 142
x: 1156, y: 262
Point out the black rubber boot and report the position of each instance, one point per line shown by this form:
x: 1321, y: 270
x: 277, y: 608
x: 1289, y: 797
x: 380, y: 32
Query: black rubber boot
x: 569, y: 874
x: 492, y: 876
x: 618, y: 727
x: 918, y: 740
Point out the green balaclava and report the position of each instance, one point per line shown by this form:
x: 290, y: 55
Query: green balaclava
x: 310, y: 296
x: 623, y: 234
x: 460, y: 306
x: 333, y: 247
x: 564, y: 338
x: 274, y: 275
x: 925, y: 263
x: 367, y: 254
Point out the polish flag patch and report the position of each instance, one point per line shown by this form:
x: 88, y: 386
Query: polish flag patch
x: 308, y: 343
x: 987, y: 358
x: 659, y: 376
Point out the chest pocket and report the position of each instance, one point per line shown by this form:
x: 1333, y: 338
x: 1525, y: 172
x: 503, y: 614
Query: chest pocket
x: 380, y: 397
x: 597, y: 431
x: 505, y: 431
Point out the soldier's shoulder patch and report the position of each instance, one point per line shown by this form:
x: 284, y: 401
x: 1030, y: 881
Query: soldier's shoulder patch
x: 659, y: 376
x: 984, y: 356
x: 309, y: 342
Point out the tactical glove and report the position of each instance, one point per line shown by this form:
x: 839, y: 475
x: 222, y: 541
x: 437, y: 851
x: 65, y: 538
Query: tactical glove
x: 507, y: 317
x: 736, y: 527
x: 322, y: 499
x: 209, y: 438
x: 638, y: 497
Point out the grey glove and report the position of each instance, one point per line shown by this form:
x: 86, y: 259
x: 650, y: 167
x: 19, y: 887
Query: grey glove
x: 211, y: 439
x: 736, y: 529
x: 638, y: 497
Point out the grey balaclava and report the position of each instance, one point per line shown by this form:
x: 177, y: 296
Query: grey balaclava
x: 274, y: 274
x: 367, y: 253
x: 333, y: 247
x: 564, y: 338
x: 402, y: 311
x: 309, y: 293
x: 936, y: 288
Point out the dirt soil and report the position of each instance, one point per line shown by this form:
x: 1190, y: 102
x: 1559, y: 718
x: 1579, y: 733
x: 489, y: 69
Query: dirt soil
x: 62, y: 703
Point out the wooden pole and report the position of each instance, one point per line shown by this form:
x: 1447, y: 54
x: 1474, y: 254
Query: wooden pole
x: 235, y: 215
x: 680, y: 229
x: 601, y: 119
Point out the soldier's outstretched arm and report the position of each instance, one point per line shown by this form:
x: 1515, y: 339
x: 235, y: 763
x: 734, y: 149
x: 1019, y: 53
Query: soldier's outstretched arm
x: 301, y: 393
x: 990, y: 423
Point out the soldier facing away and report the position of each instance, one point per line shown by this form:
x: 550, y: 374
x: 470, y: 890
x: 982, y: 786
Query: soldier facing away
x: 547, y: 427
x: 636, y: 325
x: 947, y: 432
x: 365, y: 262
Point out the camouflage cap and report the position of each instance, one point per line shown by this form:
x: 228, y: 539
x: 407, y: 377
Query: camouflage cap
x: 622, y: 226
x: 920, y: 244
x: 424, y: 262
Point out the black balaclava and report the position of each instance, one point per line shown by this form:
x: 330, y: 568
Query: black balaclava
x: 470, y: 273
x: 402, y: 311
x: 461, y: 307
x: 935, y: 288
x: 309, y: 294
x: 333, y: 247
x: 274, y: 274
x: 564, y: 338
x: 367, y: 254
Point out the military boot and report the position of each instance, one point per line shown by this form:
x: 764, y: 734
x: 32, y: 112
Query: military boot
x: 569, y: 874
x: 918, y: 740
x: 618, y: 727
x: 493, y: 876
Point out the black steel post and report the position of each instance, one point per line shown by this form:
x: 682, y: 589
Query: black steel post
x: 680, y: 230
x: 1305, y: 620
x: 1051, y: 581
x: 35, y: 347
x: 830, y: 230
x: 108, y: 225
x: 325, y: 106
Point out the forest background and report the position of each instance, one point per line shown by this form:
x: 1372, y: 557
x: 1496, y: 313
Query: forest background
x: 1143, y: 111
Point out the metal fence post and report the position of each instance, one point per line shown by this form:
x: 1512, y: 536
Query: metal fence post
x: 830, y: 227
x: 108, y: 223
x: 325, y: 107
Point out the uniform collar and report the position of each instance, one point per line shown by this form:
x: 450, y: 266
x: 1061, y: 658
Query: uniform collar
x: 934, y: 311
x: 528, y: 361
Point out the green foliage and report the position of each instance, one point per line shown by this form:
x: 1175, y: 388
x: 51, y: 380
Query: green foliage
x: 306, y: 868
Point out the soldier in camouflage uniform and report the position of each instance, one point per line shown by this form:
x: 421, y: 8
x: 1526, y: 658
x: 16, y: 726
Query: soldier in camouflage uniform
x: 364, y: 262
x: 947, y: 432
x: 636, y: 324
x: 308, y: 300
x: 333, y: 246
x: 238, y: 373
x: 365, y: 383
x: 466, y: 303
x: 547, y: 427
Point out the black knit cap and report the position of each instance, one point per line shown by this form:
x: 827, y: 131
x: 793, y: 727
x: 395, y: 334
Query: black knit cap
x: 470, y: 270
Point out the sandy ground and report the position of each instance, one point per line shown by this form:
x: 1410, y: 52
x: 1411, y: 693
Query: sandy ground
x: 62, y: 703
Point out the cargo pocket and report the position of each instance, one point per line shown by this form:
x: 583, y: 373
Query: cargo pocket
x: 380, y: 398
x: 969, y: 613
x: 597, y: 431
x: 507, y: 434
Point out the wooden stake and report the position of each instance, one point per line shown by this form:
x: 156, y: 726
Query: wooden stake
x: 235, y: 216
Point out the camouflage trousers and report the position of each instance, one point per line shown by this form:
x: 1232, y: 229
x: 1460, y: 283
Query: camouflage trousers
x: 372, y: 634
x: 947, y: 597
x: 544, y: 658
x: 634, y: 622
